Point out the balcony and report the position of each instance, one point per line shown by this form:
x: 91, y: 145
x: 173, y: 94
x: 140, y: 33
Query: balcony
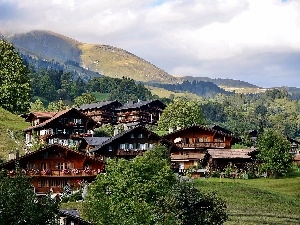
x: 74, y: 136
x: 63, y: 173
x: 187, y: 156
x: 202, y: 145
x: 129, y: 152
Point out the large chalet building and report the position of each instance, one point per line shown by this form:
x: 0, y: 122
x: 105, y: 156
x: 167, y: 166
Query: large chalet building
x: 55, y: 166
x: 197, y: 142
x: 66, y: 127
x: 101, y: 112
x: 144, y: 112
x: 127, y: 144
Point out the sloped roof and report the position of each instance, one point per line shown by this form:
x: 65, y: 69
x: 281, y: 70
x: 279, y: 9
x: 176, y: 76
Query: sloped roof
x: 43, y: 150
x: 73, y: 213
x: 57, y: 115
x: 97, y: 105
x: 128, y: 131
x: 46, y: 115
x: 95, y: 141
x: 134, y: 105
x: 202, y: 127
x: 230, y: 153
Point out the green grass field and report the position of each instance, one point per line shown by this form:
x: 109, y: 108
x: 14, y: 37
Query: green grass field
x: 258, y: 201
x: 101, y: 96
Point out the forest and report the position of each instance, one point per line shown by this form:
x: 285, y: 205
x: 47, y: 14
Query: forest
x: 275, y: 108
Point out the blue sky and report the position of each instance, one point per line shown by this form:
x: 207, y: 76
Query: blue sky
x: 252, y: 40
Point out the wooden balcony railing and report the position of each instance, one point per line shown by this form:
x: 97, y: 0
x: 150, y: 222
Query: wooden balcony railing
x: 202, y: 145
x: 187, y: 156
x: 63, y: 173
x: 129, y: 152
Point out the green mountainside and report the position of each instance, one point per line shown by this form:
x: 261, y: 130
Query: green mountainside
x: 11, y: 133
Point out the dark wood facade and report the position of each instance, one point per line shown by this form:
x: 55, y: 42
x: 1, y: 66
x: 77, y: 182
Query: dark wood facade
x: 101, y: 112
x: 194, y: 141
x: 66, y: 127
x: 52, y: 167
x: 129, y: 144
x: 145, y: 112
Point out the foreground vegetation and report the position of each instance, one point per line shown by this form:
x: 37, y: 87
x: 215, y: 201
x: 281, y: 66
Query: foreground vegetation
x: 257, y: 201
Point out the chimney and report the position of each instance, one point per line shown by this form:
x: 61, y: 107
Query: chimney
x: 11, y: 155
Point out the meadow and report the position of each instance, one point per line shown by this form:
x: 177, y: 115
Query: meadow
x: 258, y: 201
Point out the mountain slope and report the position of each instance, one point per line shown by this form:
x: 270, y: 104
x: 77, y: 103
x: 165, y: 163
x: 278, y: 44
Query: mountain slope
x: 104, y: 59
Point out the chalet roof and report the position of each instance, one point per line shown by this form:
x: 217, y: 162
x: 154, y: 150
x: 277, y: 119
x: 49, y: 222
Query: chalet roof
x: 139, y: 104
x: 57, y: 115
x: 95, y: 141
x: 73, y: 213
x: 230, y: 153
x: 109, y: 141
x: 202, y: 127
x: 97, y: 105
x: 218, y: 128
x: 44, y: 150
x: 45, y: 115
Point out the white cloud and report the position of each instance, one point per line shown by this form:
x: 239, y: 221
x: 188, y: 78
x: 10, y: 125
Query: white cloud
x: 224, y: 38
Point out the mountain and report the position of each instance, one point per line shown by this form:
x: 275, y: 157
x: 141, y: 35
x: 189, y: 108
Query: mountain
x: 222, y: 82
x: 100, y: 59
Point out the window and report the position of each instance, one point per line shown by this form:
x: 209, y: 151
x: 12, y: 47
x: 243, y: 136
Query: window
x: 110, y: 148
x: 28, y: 138
x: 45, y: 155
x: 130, y: 146
x: 30, y: 166
x: 122, y: 146
x: 131, y: 135
x: 60, y: 166
x: 140, y: 136
x: 205, y: 139
x: 78, y: 121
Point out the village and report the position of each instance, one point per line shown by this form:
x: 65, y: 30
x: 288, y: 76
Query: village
x: 70, y: 154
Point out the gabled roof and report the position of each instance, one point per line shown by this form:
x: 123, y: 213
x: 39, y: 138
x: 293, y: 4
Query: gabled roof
x: 73, y: 214
x: 202, y: 127
x: 230, y: 153
x: 218, y: 128
x: 45, y: 115
x: 56, y: 146
x: 57, y: 115
x: 112, y: 139
x: 97, y: 105
x: 139, y: 104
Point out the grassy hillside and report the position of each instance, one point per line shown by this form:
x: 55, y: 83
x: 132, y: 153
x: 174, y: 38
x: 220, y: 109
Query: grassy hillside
x: 258, y: 201
x: 161, y: 92
x: 115, y: 62
x: 16, y: 124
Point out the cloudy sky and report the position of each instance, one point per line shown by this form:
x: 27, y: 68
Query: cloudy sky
x: 252, y: 40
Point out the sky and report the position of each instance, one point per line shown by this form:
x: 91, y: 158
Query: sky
x: 257, y: 41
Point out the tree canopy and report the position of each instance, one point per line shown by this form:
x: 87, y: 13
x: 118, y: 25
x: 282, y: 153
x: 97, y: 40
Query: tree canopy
x: 180, y: 113
x: 146, y: 191
x: 274, y: 153
x: 19, y: 204
x: 14, y: 82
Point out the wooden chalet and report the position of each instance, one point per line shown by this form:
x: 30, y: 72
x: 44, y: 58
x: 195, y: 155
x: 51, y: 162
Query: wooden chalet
x: 194, y: 141
x: 129, y: 144
x: 218, y: 159
x: 54, y: 166
x: 66, y: 127
x: 101, y: 112
x: 145, y: 112
x: 35, y: 118
x: 91, y: 143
